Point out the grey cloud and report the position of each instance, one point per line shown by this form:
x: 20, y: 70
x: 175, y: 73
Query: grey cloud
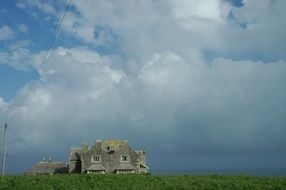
x: 224, y: 107
x: 160, y: 92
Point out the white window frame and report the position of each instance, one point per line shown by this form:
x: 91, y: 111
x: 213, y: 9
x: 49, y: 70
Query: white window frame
x: 127, y: 158
x: 94, y: 158
x: 111, y: 147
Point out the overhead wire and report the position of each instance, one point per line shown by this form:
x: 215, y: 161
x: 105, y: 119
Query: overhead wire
x: 42, y: 59
x: 27, y: 144
x: 38, y: 69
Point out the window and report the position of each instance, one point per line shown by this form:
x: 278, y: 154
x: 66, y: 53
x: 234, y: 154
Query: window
x: 95, y: 172
x: 95, y: 159
x: 125, y: 158
x: 124, y: 171
x: 111, y: 147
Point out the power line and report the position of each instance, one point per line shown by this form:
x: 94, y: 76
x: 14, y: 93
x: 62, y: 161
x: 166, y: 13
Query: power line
x: 27, y: 144
x: 29, y: 89
x: 52, y: 37
x: 43, y: 57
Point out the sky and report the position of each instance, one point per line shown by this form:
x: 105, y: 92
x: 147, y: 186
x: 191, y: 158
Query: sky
x: 199, y: 84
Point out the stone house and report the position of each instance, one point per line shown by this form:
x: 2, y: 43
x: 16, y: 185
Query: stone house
x: 48, y: 167
x: 111, y: 156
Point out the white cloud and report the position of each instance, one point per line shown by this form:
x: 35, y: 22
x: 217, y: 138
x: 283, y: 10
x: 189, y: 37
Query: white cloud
x: 18, y: 55
x: 160, y: 89
x: 160, y: 69
x: 3, y: 105
x: 44, y: 6
x: 192, y: 14
x: 34, y: 7
x: 264, y: 33
x: 185, y: 27
x: 226, y: 103
x: 6, y: 32
x: 23, y: 28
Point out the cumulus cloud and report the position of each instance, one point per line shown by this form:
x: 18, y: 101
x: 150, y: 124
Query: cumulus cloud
x: 3, y: 105
x: 220, y: 108
x: 146, y: 27
x: 194, y: 14
x: 264, y: 29
x: 6, y: 32
x: 161, y: 89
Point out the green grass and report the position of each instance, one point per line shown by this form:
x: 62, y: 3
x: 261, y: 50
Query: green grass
x: 137, y: 182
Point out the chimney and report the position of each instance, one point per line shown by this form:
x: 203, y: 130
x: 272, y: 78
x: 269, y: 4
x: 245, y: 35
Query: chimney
x: 85, y: 145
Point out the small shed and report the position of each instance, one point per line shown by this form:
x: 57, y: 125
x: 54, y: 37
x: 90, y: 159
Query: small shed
x: 48, y: 168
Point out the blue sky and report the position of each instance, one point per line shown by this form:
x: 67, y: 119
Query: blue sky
x: 203, y: 80
x: 237, y: 3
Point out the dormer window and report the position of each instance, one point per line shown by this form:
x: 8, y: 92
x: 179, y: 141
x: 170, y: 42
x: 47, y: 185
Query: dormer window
x: 111, y: 147
x: 125, y: 158
x: 95, y: 158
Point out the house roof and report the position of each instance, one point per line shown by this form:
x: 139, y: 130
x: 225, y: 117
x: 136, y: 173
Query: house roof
x: 114, y: 144
x: 125, y: 167
x: 48, y: 167
x: 96, y: 167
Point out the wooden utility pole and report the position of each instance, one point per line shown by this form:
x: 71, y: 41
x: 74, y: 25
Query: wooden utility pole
x: 5, y: 151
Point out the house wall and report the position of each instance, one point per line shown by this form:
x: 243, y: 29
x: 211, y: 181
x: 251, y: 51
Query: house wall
x: 142, y: 159
x: 95, y: 150
x: 75, y: 160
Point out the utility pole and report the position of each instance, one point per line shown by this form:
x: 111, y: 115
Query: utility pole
x: 5, y: 151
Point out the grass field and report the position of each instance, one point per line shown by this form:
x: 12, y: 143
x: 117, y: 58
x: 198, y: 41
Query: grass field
x: 137, y: 182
